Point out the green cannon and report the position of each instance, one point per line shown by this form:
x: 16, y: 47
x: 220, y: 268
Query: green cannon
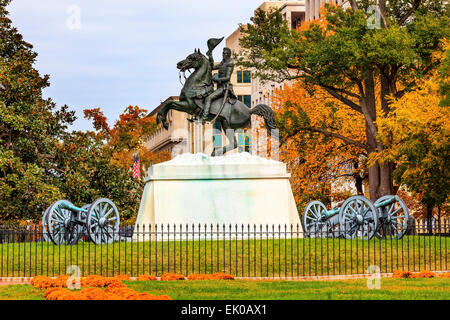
x: 358, y: 217
x: 63, y: 222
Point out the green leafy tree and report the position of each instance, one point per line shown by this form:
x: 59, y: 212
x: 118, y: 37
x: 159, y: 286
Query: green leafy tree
x: 30, y: 127
x: 87, y: 173
x: 357, y: 64
x: 416, y: 137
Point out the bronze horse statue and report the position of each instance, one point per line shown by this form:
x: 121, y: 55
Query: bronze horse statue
x: 231, y: 114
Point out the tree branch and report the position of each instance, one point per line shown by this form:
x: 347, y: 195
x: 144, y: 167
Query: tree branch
x: 382, y: 5
x: 405, y: 17
x: 343, y: 99
x: 326, y: 133
x: 343, y: 91
x: 338, y: 136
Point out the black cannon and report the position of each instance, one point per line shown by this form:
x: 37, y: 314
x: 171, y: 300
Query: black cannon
x: 358, y: 217
x: 63, y: 222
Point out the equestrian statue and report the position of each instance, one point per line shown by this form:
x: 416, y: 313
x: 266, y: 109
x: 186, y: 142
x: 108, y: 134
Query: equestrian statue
x: 199, y: 99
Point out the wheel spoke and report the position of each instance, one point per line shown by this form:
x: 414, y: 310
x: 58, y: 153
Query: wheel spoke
x: 393, y: 213
x: 351, y: 208
x: 108, y: 213
x: 391, y: 208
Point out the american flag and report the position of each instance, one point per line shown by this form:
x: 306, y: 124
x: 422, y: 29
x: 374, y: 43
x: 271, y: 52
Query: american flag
x: 136, y: 167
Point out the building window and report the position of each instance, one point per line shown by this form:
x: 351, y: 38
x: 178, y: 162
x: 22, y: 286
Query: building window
x: 247, y: 100
x: 243, y: 76
x: 244, y: 141
x: 217, y: 135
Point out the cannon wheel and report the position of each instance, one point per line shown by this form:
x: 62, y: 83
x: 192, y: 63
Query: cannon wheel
x: 358, y: 218
x: 312, y: 218
x: 45, y: 235
x: 393, y: 219
x: 60, y: 225
x: 82, y: 216
x: 103, y: 221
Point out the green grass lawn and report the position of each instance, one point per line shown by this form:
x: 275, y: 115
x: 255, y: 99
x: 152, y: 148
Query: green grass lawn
x: 261, y: 258
x: 391, y: 289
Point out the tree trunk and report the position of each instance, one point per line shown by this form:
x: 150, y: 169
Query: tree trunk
x: 380, y: 181
x: 439, y: 219
x: 380, y: 175
x: 429, y: 219
x: 359, y: 184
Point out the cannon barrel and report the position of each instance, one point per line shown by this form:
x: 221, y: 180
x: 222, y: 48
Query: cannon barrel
x: 330, y: 213
x: 67, y: 205
x: 387, y: 202
x: 384, y: 203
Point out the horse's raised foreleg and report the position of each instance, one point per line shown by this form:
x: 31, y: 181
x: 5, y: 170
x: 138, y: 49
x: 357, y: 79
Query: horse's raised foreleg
x: 182, y: 106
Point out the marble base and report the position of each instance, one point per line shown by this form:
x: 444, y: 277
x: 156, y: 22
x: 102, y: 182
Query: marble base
x: 238, y: 189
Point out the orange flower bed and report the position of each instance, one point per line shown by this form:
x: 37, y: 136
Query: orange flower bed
x: 401, y: 274
x: 172, y: 276
x: 445, y: 275
x: 130, y: 294
x: 43, y: 282
x: 222, y: 276
x: 145, y: 277
x: 114, y: 289
x: 98, y: 281
x: 424, y: 274
x: 195, y: 276
x: 411, y: 275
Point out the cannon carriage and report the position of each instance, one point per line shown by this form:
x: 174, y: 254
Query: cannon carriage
x: 358, y: 217
x: 98, y: 222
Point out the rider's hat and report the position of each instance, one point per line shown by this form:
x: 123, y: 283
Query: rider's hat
x: 214, y: 42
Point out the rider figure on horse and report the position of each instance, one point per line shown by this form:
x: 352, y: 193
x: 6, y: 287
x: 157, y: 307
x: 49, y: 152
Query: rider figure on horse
x: 225, y: 68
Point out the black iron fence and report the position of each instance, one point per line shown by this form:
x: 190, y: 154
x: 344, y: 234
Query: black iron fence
x: 241, y: 250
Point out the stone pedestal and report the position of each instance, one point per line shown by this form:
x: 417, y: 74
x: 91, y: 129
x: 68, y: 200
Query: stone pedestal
x: 237, y: 189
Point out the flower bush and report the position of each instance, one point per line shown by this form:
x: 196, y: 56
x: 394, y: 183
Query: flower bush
x: 222, y: 276
x: 124, y: 277
x: 99, y: 281
x: 214, y: 276
x: 114, y: 289
x: 424, y: 274
x: 421, y: 274
x: 96, y: 287
x: 145, y: 277
x: 43, y: 282
x: 172, y: 276
x: 401, y: 274
x: 195, y: 276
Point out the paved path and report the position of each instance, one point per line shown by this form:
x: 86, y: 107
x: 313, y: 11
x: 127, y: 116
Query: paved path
x: 26, y: 280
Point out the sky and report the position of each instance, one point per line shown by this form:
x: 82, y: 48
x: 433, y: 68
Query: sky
x: 112, y: 54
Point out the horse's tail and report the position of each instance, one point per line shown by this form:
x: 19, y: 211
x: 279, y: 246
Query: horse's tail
x: 267, y: 113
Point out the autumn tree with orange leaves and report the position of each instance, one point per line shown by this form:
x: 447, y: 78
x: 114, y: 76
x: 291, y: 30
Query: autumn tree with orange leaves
x: 358, y: 65
x: 127, y: 137
x: 321, y: 164
x: 99, y: 163
x: 416, y: 137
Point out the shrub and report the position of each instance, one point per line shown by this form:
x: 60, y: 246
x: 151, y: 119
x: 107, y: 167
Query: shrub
x: 172, y: 276
x: 114, y: 289
x: 195, y: 276
x: 424, y: 274
x: 222, y: 276
x: 401, y: 274
x: 145, y: 277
